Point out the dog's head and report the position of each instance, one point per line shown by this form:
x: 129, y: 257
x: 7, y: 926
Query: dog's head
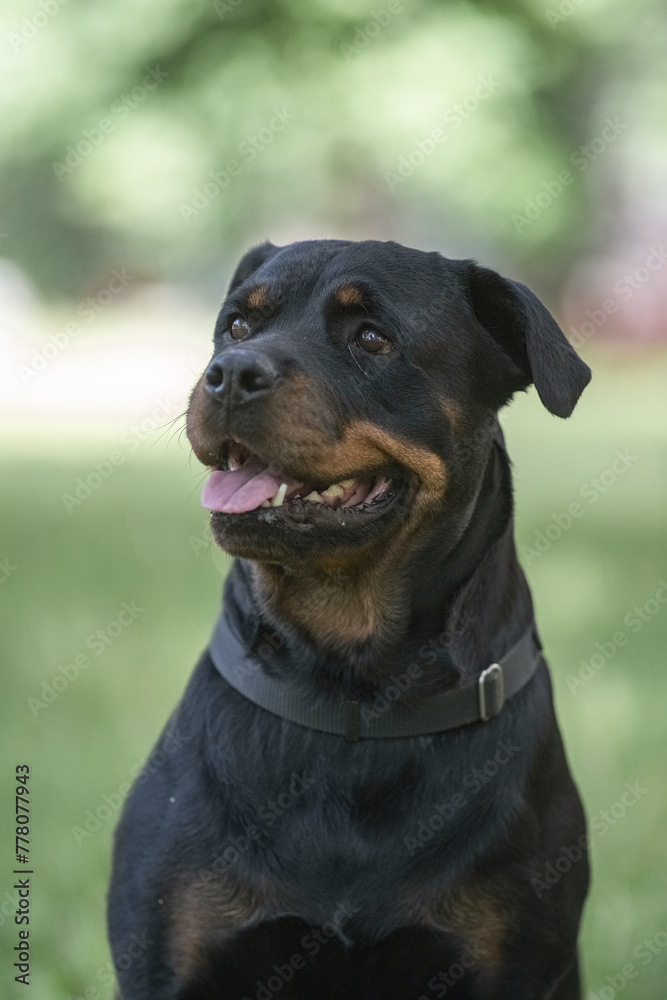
x: 351, y: 389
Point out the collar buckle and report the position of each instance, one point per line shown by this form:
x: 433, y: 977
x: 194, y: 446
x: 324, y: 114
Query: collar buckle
x: 491, y: 691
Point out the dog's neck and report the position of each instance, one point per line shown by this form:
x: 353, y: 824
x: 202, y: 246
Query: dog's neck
x: 369, y: 617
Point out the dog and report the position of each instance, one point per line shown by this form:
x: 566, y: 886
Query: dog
x: 363, y: 792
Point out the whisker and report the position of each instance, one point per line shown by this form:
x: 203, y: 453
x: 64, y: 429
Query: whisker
x: 356, y: 361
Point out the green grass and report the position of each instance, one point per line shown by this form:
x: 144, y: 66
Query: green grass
x: 139, y: 537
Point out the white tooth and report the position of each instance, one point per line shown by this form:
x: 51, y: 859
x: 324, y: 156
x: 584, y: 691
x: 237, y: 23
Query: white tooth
x: 265, y: 503
x: 280, y: 496
x: 332, y: 492
x: 314, y: 497
x: 346, y: 483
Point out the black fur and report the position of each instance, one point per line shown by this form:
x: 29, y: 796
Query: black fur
x: 405, y: 869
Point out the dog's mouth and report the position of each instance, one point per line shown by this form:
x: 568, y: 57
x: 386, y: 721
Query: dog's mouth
x: 242, y: 482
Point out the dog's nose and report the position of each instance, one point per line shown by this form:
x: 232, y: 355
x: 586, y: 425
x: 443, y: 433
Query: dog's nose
x: 240, y: 376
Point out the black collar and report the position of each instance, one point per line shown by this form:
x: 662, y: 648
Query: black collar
x: 478, y: 701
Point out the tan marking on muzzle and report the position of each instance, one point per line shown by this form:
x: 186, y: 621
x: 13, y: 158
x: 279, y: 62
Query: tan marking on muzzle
x: 300, y: 436
x: 204, y: 443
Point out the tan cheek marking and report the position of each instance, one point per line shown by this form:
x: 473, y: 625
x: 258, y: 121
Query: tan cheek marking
x: 202, y: 914
x: 305, y: 438
x: 365, y: 445
x: 348, y: 295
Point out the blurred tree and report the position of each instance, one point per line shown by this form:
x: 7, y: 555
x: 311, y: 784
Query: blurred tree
x: 164, y: 135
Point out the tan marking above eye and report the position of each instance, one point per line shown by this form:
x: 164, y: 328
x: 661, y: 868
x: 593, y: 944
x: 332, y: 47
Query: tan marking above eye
x: 348, y: 295
x: 256, y: 298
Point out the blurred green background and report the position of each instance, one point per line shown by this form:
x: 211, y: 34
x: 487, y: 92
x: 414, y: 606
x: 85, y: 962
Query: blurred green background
x: 144, y: 147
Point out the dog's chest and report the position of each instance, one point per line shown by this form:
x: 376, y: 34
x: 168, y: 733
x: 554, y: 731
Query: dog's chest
x: 347, y: 837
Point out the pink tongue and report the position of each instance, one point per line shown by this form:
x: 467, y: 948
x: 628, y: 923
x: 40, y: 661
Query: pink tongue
x: 243, y: 489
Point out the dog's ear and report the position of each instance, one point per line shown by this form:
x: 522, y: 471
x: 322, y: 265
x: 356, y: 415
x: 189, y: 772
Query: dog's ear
x: 528, y: 333
x: 250, y: 262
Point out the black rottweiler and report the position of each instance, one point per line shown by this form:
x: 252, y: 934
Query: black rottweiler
x: 363, y: 794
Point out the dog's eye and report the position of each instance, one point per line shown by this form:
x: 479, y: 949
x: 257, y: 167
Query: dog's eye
x: 374, y: 342
x: 239, y: 328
